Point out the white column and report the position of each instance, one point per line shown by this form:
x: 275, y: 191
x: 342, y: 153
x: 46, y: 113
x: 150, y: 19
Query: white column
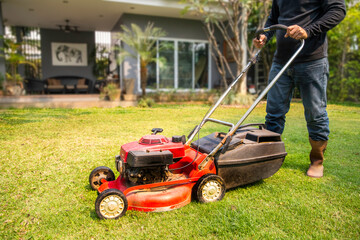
x: 2, y: 32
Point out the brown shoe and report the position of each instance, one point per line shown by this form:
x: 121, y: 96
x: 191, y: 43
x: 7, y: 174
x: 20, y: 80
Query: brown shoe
x: 316, y: 169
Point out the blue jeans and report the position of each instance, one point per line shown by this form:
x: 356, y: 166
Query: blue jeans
x: 311, y: 80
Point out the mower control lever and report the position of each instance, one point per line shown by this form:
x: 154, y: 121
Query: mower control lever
x: 226, y: 144
x: 156, y: 130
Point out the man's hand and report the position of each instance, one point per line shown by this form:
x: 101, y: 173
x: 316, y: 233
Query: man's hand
x: 259, y: 43
x: 296, y: 32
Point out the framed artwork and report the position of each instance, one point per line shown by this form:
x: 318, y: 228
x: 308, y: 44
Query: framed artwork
x: 69, y: 54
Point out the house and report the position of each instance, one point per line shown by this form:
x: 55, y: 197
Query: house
x: 67, y: 30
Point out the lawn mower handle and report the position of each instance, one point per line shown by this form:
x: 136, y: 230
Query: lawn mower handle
x: 271, y: 28
x: 212, y: 110
x: 256, y: 102
x: 250, y: 63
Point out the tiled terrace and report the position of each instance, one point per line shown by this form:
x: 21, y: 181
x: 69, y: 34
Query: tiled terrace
x: 61, y: 101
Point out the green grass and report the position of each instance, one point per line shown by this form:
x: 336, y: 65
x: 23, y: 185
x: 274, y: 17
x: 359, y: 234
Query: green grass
x: 46, y: 156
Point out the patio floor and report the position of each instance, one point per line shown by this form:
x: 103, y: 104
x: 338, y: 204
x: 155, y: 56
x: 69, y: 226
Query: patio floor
x: 61, y: 101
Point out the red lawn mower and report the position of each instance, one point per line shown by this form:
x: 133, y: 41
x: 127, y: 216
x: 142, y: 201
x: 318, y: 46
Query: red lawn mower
x: 158, y: 173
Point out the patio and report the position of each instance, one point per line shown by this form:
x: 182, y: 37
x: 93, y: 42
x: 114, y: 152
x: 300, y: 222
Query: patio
x: 61, y: 101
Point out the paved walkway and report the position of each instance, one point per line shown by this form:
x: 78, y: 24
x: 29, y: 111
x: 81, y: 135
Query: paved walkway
x: 61, y: 101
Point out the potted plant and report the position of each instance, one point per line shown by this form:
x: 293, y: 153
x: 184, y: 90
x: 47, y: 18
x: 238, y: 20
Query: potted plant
x: 111, y: 92
x: 129, y: 89
x: 100, y: 56
x: 13, y: 81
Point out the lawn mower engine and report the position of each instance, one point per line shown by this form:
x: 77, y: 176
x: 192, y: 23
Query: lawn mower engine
x: 147, y: 160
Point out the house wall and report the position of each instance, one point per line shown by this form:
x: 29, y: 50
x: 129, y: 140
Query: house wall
x: 49, y: 70
x: 174, y: 28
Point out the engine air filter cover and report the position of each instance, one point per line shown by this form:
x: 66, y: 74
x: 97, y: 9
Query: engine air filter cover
x: 149, y: 158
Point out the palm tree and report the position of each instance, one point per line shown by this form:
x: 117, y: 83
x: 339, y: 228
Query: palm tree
x: 143, y: 44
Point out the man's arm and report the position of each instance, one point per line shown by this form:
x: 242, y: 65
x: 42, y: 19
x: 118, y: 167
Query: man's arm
x: 272, y: 19
x: 334, y: 13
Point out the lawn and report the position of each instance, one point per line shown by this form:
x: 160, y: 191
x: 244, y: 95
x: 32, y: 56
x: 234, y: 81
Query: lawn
x: 46, y: 156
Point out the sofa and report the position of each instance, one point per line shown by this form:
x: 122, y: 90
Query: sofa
x: 68, y: 84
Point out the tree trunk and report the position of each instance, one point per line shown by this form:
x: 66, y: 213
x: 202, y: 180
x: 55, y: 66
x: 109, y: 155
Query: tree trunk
x: 342, y: 68
x: 143, y: 76
x: 266, y: 60
x: 243, y: 51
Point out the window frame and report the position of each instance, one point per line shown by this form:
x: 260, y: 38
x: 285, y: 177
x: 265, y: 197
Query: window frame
x: 176, y: 61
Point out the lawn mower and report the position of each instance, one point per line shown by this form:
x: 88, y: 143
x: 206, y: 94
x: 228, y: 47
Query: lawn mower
x: 158, y: 173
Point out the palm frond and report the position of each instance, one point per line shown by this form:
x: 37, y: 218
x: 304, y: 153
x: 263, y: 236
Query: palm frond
x: 141, y: 42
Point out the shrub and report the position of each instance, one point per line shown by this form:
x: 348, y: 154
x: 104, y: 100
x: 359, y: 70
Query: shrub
x: 110, y: 92
x: 146, y: 102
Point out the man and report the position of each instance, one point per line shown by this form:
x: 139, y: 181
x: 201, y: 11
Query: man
x: 309, y: 20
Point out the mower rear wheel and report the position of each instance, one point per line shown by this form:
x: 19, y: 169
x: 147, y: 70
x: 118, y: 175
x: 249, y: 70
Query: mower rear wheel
x: 209, y: 188
x: 98, y: 174
x: 111, y: 204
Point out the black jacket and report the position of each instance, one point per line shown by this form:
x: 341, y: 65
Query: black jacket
x: 315, y: 16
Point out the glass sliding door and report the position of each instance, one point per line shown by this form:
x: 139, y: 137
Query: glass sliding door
x: 166, y: 67
x: 151, y: 76
x: 151, y: 81
x: 201, y: 60
x: 185, y: 65
x: 181, y: 64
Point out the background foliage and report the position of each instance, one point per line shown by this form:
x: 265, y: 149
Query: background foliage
x: 344, y: 56
x: 344, y: 41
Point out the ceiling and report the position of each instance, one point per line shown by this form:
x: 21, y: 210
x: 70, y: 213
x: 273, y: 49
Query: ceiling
x: 88, y: 15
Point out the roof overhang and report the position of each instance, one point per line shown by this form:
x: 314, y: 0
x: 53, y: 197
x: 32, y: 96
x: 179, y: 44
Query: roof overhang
x: 87, y: 15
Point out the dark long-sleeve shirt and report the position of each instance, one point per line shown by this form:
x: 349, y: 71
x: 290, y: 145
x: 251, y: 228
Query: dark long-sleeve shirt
x: 315, y: 16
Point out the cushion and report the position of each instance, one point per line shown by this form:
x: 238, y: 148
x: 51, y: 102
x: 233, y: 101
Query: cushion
x: 53, y: 81
x: 81, y: 81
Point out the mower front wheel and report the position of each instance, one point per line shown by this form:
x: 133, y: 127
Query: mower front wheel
x: 111, y: 204
x: 98, y: 174
x: 209, y: 188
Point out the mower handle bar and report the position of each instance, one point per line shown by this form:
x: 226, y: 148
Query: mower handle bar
x: 256, y: 102
x: 219, y: 122
x: 271, y: 28
x: 250, y: 63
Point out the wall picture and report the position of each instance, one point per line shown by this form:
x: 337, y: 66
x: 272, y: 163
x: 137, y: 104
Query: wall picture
x: 69, y: 54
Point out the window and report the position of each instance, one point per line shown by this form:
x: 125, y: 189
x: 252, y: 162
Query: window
x: 185, y: 65
x: 181, y: 64
x: 201, y: 65
x: 167, y: 68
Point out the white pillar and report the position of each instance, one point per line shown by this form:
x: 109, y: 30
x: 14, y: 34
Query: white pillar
x: 2, y: 32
